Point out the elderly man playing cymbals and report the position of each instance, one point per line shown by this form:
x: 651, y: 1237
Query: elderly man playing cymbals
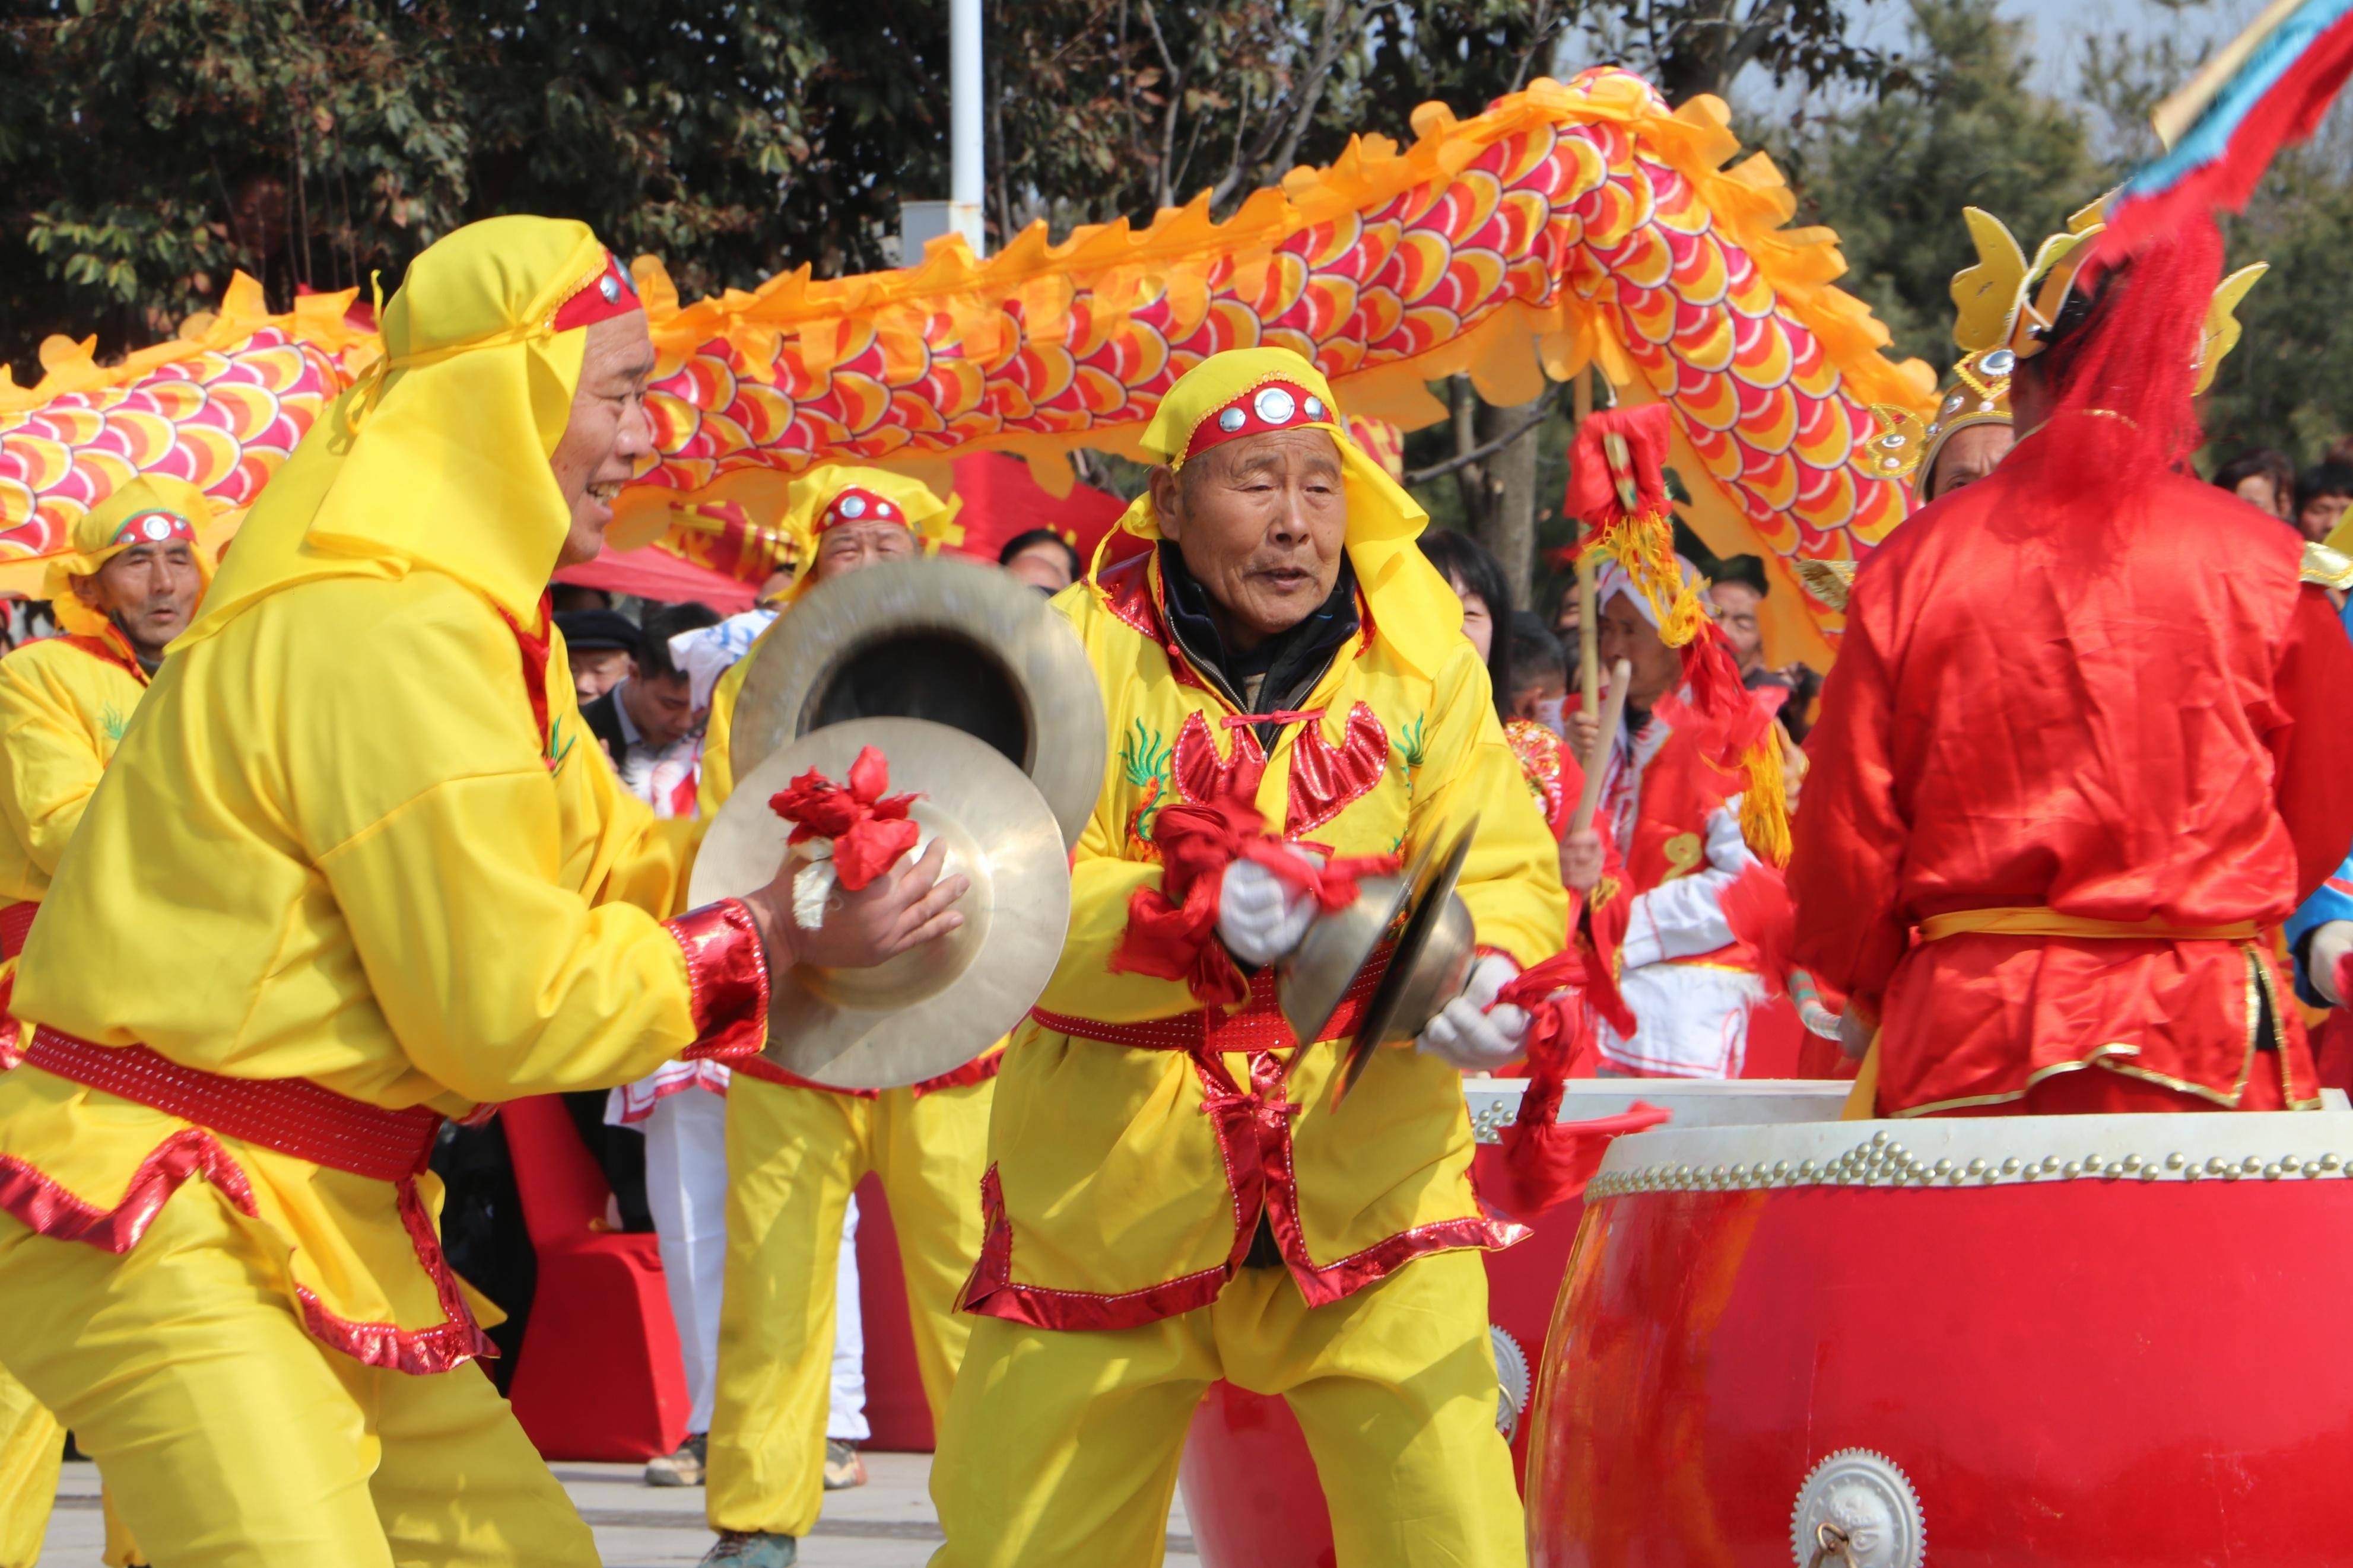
x: 350, y: 872
x: 1171, y: 1197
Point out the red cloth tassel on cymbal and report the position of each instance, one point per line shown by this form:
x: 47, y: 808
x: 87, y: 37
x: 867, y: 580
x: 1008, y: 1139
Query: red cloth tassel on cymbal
x: 868, y: 829
x: 1172, y: 929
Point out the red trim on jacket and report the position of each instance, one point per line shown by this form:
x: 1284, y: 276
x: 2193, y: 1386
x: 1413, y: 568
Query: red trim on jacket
x: 727, y: 973
x: 1252, y: 1126
x: 48, y: 1209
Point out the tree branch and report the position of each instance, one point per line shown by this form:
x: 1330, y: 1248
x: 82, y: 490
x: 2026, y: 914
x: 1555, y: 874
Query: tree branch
x: 1328, y: 45
x: 1540, y: 32
x: 1482, y: 453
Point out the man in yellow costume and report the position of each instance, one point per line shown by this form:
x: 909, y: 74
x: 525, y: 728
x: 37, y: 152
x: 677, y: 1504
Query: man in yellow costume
x: 130, y: 586
x: 354, y: 869
x: 795, y: 1151
x: 1171, y: 1196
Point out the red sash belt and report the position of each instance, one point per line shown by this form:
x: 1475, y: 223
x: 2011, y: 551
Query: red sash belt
x: 292, y: 1115
x: 1257, y: 1025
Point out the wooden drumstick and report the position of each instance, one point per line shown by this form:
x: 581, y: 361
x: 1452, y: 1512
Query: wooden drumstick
x: 1613, y: 713
x: 1589, y: 631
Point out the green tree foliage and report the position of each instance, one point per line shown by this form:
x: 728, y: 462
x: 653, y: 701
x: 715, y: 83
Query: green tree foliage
x: 145, y: 150
x: 147, y: 147
x: 2289, y: 383
x: 1892, y: 176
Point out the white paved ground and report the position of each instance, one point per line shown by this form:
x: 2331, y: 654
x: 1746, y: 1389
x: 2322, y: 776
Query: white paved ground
x: 886, y: 1524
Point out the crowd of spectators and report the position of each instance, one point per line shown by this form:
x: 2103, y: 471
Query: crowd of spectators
x: 2312, y: 502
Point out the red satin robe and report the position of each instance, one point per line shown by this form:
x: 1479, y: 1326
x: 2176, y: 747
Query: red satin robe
x: 2112, y: 718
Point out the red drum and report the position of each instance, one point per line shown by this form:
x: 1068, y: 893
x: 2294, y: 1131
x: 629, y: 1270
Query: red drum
x: 1250, y: 1491
x: 2069, y: 1340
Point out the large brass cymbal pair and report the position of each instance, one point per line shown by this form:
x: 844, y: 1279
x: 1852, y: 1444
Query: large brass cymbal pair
x: 982, y: 702
x: 1432, y: 944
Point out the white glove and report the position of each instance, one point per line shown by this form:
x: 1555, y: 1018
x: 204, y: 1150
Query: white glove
x: 2331, y: 941
x: 1259, y: 917
x: 1472, y: 1038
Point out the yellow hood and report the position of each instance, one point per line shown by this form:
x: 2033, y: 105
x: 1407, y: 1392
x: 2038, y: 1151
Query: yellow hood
x: 437, y: 457
x: 1412, y: 606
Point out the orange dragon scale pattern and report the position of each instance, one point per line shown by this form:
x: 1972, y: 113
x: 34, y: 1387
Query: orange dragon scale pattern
x: 1571, y: 224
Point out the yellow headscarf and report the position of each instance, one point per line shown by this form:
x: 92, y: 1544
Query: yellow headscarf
x: 438, y: 459
x: 932, y: 520
x: 1413, y: 609
x: 96, y: 541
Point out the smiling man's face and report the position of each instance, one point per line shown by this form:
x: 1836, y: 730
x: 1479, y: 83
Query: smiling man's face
x: 1260, y: 523
x: 609, y: 430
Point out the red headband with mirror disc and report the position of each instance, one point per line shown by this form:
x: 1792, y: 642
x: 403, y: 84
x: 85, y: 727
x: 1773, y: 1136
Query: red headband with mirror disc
x: 1270, y: 406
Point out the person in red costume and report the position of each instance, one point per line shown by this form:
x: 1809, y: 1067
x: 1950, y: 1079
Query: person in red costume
x: 2077, y: 759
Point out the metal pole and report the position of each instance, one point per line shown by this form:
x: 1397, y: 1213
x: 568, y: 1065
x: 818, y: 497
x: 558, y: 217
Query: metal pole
x: 969, y: 183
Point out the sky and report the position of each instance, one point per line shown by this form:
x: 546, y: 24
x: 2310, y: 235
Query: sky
x: 2057, y: 32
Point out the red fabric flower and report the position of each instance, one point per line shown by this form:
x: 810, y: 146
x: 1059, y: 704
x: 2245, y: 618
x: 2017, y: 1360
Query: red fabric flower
x: 1172, y: 929
x: 868, y: 829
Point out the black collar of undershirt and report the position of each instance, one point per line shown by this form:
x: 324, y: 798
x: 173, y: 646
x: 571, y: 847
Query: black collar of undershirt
x: 1290, y: 663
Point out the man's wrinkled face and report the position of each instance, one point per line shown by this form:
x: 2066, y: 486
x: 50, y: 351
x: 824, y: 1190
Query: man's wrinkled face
x: 662, y: 708
x: 1735, y: 611
x: 598, y: 670
x: 149, y: 589
x: 609, y: 431
x: 1260, y: 522
x: 1622, y: 633
x: 1969, y: 454
x: 850, y: 546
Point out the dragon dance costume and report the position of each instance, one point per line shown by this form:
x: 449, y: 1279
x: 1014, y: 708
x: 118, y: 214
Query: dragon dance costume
x: 797, y: 1151
x: 1170, y: 1197
x: 64, y: 703
x: 349, y: 896
x: 2080, y: 755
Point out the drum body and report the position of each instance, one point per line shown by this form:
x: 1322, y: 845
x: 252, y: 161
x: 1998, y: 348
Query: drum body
x: 2077, y: 1339
x: 1251, y: 1490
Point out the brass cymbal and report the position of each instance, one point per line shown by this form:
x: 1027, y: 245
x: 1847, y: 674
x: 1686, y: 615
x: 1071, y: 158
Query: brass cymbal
x: 1434, y: 944
x: 932, y: 1010
x: 951, y: 641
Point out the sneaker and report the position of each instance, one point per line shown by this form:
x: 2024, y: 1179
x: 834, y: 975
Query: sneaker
x: 843, y: 1467
x: 683, y: 1468
x: 752, y: 1548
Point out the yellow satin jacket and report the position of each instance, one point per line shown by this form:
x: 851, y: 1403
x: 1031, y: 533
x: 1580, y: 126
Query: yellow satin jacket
x: 1131, y: 1172
x: 378, y: 872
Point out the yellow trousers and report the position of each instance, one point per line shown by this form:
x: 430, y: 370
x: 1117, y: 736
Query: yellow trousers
x: 32, y: 1445
x: 793, y: 1157
x: 1060, y: 1446
x: 229, y: 1438
x: 32, y: 1451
